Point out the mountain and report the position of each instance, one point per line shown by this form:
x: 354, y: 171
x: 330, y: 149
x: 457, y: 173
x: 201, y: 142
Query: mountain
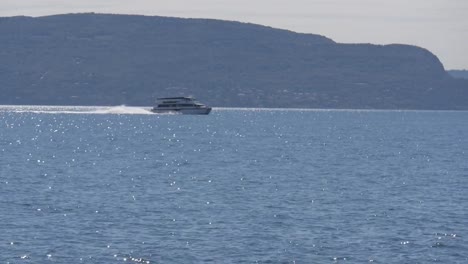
x: 460, y: 74
x: 102, y: 59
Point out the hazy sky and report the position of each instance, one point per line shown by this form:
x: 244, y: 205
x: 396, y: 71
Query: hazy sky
x: 438, y: 25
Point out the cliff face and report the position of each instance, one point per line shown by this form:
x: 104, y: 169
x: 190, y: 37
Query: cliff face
x: 94, y: 59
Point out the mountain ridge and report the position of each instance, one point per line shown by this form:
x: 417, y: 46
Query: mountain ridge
x: 105, y: 59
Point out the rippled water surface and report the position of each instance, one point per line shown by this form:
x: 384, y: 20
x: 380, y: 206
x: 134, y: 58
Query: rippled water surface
x: 98, y: 185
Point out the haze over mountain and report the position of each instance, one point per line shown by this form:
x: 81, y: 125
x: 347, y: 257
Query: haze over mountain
x: 98, y: 59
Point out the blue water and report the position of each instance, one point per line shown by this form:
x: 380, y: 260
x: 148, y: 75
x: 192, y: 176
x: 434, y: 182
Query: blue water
x: 236, y: 186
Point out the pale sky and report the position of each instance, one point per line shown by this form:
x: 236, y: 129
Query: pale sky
x: 440, y: 26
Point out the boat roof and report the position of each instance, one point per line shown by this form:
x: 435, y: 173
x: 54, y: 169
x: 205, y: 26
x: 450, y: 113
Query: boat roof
x: 176, y: 98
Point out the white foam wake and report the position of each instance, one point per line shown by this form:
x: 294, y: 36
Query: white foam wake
x: 119, y: 110
x: 123, y: 110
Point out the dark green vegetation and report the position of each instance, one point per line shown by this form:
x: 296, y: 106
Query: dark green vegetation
x: 95, y: 59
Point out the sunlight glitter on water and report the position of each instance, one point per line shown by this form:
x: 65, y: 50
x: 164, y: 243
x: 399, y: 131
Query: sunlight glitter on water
x: 236, y: 187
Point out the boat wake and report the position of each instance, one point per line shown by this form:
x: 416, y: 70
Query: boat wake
x: 124, y: 110
x: 116, y: 110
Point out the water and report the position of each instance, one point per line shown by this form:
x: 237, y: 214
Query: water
x: 118, y: 185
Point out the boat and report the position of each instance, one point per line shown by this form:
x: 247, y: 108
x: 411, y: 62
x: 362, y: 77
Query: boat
x: 182, y: 105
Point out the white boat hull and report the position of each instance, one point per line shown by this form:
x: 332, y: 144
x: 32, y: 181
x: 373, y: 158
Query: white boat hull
x: 185, y: 111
